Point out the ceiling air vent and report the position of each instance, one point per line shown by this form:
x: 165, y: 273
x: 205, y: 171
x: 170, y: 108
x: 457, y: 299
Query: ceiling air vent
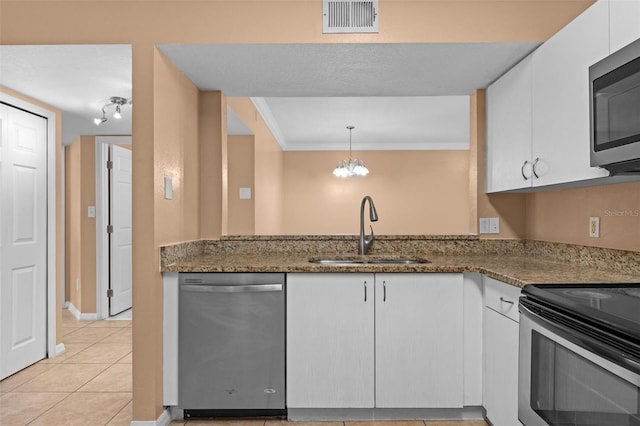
x: 349, y: 16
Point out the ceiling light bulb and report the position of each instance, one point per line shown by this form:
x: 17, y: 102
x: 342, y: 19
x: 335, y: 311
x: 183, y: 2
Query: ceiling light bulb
x: 117, y: 114
x: 99, y: 121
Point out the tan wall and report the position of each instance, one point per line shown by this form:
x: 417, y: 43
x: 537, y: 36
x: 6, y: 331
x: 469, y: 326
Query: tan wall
x: 241, y: 152
x: 268, y: 169
x: 176, y: 153
x: 563, y: 216
x: 80, y: 182
x: 510, y: 208
x: 415, y: 192
x: 232, y: 22
x: 212, y: 127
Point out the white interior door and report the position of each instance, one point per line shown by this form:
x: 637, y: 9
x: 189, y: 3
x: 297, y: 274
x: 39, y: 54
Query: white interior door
x: 120, y: 184
x: 23, y: 239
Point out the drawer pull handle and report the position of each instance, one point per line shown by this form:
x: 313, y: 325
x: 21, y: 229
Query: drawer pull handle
x: 384, y: 291
x: 502, y: 299
x: 365, y: 291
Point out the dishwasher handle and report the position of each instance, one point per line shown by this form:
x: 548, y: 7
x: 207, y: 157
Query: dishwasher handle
x: 258, y: 288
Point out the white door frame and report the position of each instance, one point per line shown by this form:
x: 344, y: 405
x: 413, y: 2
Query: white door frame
x: 52, y: 349
x: 102, y: 213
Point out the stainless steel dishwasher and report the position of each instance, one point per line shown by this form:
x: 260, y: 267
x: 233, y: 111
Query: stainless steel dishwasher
x: 231, y: 359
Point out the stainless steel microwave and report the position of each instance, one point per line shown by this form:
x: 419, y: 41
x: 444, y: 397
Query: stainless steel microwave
x: 615, y: 111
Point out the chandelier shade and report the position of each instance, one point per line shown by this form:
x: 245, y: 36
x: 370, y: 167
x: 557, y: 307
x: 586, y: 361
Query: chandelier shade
x: 351, y: 167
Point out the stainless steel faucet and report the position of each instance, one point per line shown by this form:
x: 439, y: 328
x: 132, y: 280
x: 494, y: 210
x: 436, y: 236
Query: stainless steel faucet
x: 365, y: 242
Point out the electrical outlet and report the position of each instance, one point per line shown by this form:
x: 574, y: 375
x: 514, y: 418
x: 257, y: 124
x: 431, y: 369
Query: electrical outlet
x: 594, y: 227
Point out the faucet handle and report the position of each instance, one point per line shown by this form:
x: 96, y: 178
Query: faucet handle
x: 369, y: 238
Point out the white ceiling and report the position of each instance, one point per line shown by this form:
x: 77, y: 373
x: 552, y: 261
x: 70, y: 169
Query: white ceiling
x: 77, y: 79
x: 397, y: 95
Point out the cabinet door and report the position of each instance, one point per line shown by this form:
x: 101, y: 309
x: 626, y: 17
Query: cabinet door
x: 561, y: 98
x: 624, y: 20
x: 419, y: 340
x: 330, y: 340
x: 509, y: 130
x: 501, y: 369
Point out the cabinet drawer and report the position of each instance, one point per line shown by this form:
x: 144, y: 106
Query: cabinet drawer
x: 502, y: 298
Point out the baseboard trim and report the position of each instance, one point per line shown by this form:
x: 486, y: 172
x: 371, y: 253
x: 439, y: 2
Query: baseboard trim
x: 60, y: 349
x: 66, y: 305
x: 341, y: 414
x: 163, y: 420
x: 79, y: 315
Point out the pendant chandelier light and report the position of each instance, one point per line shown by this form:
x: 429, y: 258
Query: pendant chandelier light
x: 351, y: 167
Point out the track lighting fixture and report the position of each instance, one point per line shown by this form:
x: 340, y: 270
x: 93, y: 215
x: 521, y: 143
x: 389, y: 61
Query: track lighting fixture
x: 116, y: 101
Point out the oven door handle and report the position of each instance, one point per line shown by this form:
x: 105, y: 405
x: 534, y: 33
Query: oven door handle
x: 579, y: 338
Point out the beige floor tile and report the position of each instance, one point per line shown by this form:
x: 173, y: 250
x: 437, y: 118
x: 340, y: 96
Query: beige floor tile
x: 70, y: 349
x: 21, y: 408
x: 117, y: 378
x: 23, y: 376
x: 62, y: 378
x: 89, y: 335
x: 478, y: 422
x: 177, y: 423
x: 225, y: 422
x: 286, y: 423
x: 100, y: 353
x: 111, y: 324
x: 386, y: 423
x: 121, y: 335
x: 127, y: 359
x: 124, y: 417
x: 68, y: 320
x: 84, y: 409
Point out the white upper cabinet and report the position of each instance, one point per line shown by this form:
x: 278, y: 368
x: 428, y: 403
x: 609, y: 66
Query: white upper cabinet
x: 624, y: 18
x: 561, y: 98
x: 538, y: 112
x: 419, y: 341
x: 509, y: 129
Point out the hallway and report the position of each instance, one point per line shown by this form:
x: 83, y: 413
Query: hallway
x: 90, y: 384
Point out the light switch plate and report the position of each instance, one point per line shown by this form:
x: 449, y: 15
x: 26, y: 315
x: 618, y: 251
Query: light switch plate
x: 484, y: 225
x: 168, y: 188
x: 594, y: 227
x: 494, y: 225
x: 91, y: 211
x: 245, y: 193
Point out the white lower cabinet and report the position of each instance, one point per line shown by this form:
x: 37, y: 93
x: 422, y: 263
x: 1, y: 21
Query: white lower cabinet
x: 330, y: 340
x: 501, y: 319
x: 415, y: 335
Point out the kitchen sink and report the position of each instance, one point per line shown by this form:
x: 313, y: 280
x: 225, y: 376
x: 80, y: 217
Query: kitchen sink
x: 368, y: 260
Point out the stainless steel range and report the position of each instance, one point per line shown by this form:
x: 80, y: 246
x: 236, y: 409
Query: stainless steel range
x: 579, y: 354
